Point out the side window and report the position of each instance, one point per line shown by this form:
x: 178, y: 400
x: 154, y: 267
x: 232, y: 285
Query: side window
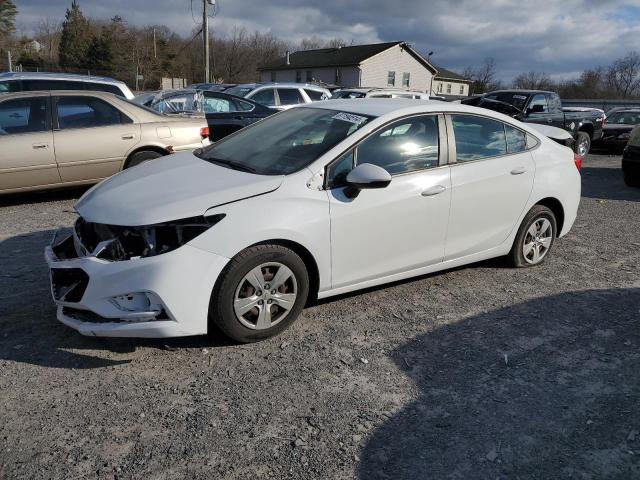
x: 337, y: 172
x: 314, y: 95
x: 225, y: 105
x: 265, y: 97
x: 478, y: 137
x: 290, y: 96
x: 86, y: 112
x: 32, y: 85
x: 391, y: 79
x: 10, y: 86
x: 404, y: 146
x: 538, y: 104
x: 516, y: 139
x: 23, y: 115
x: 555, y: 104
x: 104, y: 87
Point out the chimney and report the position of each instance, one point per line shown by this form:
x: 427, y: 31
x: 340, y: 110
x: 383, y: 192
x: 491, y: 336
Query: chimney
x: 288, y: 60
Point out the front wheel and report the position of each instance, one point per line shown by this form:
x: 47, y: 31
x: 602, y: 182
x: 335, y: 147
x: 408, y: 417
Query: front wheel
x: 583, y: 143
x: 260, y: 293
x: 535, y: 238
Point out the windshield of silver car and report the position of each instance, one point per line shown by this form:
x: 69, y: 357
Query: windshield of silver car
x: 286, y: 142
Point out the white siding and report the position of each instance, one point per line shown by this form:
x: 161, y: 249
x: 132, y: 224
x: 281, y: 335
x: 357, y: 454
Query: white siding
x: 440, y: 88
x: 350, y: 76
x: 396, y: 59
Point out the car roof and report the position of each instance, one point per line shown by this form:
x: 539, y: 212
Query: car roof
x: 518, y: 90
x: 56, y: 76
x: 279, y: 84
x: 378, y: 107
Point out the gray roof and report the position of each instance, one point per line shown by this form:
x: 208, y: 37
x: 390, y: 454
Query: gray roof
x: 444, y: 73
x: 338, y: 57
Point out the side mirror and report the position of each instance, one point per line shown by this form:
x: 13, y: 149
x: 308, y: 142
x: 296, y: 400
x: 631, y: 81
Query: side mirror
x: 535, y: 109
x: 366, y: 175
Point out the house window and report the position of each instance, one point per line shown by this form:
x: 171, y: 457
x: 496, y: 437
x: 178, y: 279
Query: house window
x: 338, y: 76
x: 440, y: 87
x: 405, y: 79
x: 391, y: 79
x: 309, y: 76
x: 448, y: 88
x: 273, y: 76
x: 461, y: 89
x: 298, y: 76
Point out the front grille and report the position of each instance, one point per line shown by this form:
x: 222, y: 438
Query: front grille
x: 87, y: 316
x: 68, y: 284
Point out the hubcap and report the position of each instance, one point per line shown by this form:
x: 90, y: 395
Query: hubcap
x: 265, y: 296
x: 583, y: 148
x: 537, y: 241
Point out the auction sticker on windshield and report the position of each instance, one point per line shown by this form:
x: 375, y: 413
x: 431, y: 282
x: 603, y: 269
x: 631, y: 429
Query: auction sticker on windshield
x: 350, y: 117
x: 520, y: 97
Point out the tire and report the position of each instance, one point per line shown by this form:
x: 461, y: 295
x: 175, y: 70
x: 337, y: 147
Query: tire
x: 269, y: 311
x: 583, y: 143
x: 537, y: 215
x: 141, y: 157
x: 631, y: 180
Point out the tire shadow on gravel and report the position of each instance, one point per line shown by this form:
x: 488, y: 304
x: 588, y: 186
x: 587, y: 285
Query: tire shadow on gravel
x: 607, y: 184
x: 548, y: 388
x: 29, y: 330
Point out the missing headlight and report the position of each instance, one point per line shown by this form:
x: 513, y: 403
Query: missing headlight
x: 115, y: 243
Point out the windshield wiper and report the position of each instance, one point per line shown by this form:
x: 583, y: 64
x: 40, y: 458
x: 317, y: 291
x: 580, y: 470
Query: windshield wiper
x: 233, y: 165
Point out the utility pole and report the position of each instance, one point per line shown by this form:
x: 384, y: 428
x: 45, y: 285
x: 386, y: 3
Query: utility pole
x: 205, y: 38
x: 155, y: 52
x: 9, y: 59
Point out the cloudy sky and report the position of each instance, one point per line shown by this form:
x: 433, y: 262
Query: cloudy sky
x: 559, y: 37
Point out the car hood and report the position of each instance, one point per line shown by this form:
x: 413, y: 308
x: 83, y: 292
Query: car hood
x: 169, y: 188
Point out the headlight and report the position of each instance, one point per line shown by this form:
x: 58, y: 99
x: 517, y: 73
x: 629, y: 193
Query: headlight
x: 113, y: 242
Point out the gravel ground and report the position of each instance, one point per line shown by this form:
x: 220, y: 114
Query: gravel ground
x: 477, y: 372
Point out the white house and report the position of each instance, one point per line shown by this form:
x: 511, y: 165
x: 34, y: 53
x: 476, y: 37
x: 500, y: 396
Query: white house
x: 450, y: 84
x: 393, y: 64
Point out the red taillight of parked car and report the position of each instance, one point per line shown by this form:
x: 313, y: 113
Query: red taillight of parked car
x: 577, y: 159
x: 204, y: 132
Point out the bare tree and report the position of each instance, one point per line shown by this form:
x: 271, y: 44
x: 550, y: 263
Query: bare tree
x: 623, y: 77
x: 534, y: 81
x: 483, y: 77
x: 48, y: 32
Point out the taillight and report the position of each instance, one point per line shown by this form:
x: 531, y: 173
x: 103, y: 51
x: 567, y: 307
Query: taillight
x: 577, y: 159
x: 204, y: 132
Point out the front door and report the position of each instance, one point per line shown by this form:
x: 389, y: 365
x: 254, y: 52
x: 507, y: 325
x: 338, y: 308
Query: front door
x: 398, y: 228
x: 92, y: 137
x: 27, y: 156
x: 491, y: 181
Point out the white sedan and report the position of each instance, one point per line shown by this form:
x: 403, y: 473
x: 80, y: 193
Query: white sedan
x: 312, y: 202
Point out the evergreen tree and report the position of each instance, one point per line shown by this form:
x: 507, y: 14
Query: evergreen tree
x: 100, y: 53
x: 8, y: 13
x: 75, y: 39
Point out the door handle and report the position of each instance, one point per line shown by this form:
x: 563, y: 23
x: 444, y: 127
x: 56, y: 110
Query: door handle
x: 39, y: 146
x: 549, y: 120
x: 435, y: 190
x: 128, y: 136
x: 518, y: 171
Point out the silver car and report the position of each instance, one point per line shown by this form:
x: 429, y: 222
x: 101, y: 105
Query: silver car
x: 368, y: 92
x: 11, y: 82
x: 280, y: 96
x: 66, y: 138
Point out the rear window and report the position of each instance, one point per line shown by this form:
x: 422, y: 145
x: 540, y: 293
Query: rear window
x: 314, y: 95
x: 290, y: 96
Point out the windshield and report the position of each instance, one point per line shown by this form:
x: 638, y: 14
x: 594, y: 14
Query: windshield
x: 347, y: 94
x: 515, y: 99
x: 239, y: 91
x: 286, y: 142
x: 624, y: 118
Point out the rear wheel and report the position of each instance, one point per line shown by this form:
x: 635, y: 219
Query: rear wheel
x: 260, y: 293
x: 535, y: 238
x: 141, y: 157
x: 583, y: 143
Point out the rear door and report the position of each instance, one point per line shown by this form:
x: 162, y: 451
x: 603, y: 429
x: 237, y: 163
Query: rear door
x: 227, y: 114
x: 92, y: 137
x: 27, y: 157
x: 491, y: 180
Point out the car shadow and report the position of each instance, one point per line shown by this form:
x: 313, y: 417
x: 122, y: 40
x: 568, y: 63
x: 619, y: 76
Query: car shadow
x: 70, y: 193
x: 546, y: 388
x: 607, y: 184
x: 29, y: 330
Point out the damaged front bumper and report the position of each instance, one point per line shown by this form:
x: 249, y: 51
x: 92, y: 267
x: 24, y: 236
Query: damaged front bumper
x: 162, y: 296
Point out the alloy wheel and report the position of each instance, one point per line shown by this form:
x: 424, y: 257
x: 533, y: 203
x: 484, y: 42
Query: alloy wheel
x: 537, y: 241
x: 265, y: 296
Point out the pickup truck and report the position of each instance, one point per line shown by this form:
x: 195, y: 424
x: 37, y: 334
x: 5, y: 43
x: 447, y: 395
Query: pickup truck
x: 538, y: 106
